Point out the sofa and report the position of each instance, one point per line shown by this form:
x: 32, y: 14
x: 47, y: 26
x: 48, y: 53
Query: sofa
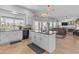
x: 60, y: 32
x: 76, y: 32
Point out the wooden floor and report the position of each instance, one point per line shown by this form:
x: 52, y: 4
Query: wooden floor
x: 68, y: 45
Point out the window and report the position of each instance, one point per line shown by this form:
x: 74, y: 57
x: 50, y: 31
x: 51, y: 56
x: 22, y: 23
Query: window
x: 14, y: 21
x: 36, y: 24
x: 50, y: 25
x: 11, y: 23
x: 9, y: 20
x: 19, y: 22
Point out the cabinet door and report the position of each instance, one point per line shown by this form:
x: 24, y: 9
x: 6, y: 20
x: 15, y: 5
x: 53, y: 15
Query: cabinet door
x: 4, y: 38
x: 32, y: 35
x: 52, y: 42
x: 37, y: 39
x: 15, y: 36
x: 48, y: 42
x: 45, y: 42
x: 33, y: 39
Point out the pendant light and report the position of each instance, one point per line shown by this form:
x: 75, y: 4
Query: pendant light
x: 48, y: 10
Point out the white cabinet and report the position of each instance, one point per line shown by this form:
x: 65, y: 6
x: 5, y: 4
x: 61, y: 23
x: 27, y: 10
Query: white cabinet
x: 10, y: 36
x: 4, y: 37
x: 47, y: 42
x: 32, y: 35
x: 37, y: 38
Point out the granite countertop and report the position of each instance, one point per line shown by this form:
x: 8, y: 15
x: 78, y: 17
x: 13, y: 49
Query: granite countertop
x: 10, y: 30
x: 45, y: 33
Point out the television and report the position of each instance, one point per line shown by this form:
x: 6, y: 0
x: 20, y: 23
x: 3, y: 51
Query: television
x: 64, y: 23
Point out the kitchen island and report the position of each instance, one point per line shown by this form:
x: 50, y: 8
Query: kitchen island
x: 10, y: 36
x: 45, y: 41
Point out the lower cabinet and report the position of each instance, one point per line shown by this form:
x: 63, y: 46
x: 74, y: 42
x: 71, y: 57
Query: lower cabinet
x: 37, y: 39
x: 10, y: 36
x: 32, y: 35
x: 47, y: 42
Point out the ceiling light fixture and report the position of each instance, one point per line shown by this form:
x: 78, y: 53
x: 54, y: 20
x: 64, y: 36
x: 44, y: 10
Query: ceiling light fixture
x: 34, y: 14
x: 48, y: 10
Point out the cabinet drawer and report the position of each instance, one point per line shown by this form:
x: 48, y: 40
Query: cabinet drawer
x: 31, y: 34
x: 37, y: 40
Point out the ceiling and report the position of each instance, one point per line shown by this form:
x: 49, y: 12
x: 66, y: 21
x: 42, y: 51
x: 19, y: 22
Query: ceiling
x: 57, y: 10
x: 36, y: 7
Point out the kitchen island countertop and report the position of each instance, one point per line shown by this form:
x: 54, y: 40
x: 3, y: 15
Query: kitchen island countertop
x: 54, y: 32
